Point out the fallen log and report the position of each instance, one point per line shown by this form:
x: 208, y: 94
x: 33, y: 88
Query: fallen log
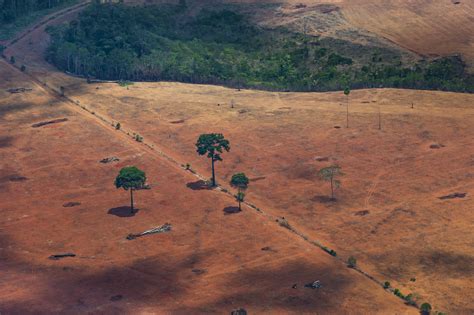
x: 161, y: 229
x: 49, y: 122
x: 453, y: 196
x: 59, y: 256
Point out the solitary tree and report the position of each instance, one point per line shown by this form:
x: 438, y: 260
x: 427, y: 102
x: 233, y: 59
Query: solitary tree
x: 425, y: 309
x: 241, y: 182
x: 213, y: 145
x: 347, y: 91
x: 130, y: 178
x: 330, y: 174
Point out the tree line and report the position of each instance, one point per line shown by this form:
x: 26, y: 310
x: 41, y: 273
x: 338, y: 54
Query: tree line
x: 10, y: 10
x: 163, y: 43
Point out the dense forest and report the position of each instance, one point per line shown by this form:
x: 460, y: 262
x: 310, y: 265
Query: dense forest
x: 153, y: 43
x: 10, y: 10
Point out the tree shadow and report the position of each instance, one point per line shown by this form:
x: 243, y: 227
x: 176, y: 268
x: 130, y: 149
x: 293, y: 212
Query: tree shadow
x: 5, y: 141
x: 273, y: 287
x: 323, y: 199
x: 123, y: 212
x: 231, y: 210
x: 198, y: 185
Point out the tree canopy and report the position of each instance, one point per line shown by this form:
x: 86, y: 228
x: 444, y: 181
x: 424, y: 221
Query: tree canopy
x: 240, y: 181
x: 130, y: 178
x: 224, y: 46
x: 213, y: 145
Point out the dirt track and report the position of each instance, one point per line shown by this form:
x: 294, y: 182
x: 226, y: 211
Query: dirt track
x: 392, y: 174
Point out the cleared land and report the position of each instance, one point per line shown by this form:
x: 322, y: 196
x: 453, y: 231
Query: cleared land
x: 208, y: 263
x: 388, y: 214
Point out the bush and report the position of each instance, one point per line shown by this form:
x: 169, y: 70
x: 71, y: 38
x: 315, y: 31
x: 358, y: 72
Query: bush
x: 351, y: 262
x: 425, y: 308
x: 410, y: 299
x: 12, y: 60
x: 23, y: 68
x: 118, y: 126
x: 398, y: 293
x: 386, y: 285
x: 138, y: 138
x: 329, y: 251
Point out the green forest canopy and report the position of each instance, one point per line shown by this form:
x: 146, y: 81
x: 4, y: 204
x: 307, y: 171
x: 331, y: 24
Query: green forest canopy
x: 160, y: 42
x: 10, y: 10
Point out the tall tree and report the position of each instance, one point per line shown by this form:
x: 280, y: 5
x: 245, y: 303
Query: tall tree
x: 213, y: 145
x: 241, y: 182
x: 131, y: 178
x: 330, y: 174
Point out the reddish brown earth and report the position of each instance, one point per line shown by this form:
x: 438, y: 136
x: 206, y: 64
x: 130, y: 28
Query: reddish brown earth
x: 44, y: 168
x: 393, y: 177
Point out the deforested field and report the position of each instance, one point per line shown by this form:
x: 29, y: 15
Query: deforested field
x: 403, y: 209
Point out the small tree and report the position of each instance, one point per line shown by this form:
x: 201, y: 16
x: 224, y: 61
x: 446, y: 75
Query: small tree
x: 351, y: 262
x: 241, y: 182
x: 330, y: 174
x: 130, y: 178
x: 12, y: 60
x: 425, y: 309
x: 213, y: 145
x: 347, y: 91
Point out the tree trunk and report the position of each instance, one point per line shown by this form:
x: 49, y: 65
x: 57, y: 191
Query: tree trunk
x: 131, y: 200
x: 240, y: 208
x: 213, y: 174
x: 347, y: 112
x: 332, y: 188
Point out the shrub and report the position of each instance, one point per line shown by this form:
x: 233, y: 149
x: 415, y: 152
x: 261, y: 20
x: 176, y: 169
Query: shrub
x: 138, y: 138
x: 410, y: 299
x: 425, y: 308
x: 386, y: 285
x: 12, y: 60
x: 23, y: 68
x: 329, y: 251
x: 118, y: 126
x: 398, y: 293
x: 351, y: 262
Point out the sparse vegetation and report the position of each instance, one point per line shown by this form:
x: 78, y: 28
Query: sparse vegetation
x: 160, y: 42
x: 138, y: 138
x: 212, y: 145
x: 118, y: 126
x: 330, y: 174
x: 425, y: 308
x: 12, y: 60
x: 386, y: 285
x: 351, y: 262
x: 329, y: 251
x: 130, y: 178
x: 241, y: 182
